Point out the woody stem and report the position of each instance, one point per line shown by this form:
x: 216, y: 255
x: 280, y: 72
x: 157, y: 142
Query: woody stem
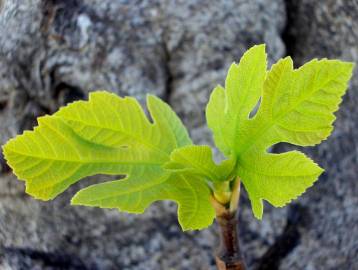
x: 228, y: 255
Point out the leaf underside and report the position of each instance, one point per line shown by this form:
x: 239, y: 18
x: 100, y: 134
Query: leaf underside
x: 296, y: 106
x: 110, y: 135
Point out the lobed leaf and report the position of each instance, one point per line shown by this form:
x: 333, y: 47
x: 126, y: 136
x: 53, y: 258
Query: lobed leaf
x: 110, y: 135
x: 297, y: 107
x: 135, y: 193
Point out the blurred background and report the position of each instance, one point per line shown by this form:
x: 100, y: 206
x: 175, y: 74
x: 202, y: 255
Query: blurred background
x: 55, y: 51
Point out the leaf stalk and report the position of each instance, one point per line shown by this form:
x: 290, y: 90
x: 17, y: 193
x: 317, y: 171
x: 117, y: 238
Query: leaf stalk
x: 228, y: 255
x: 235, y: 195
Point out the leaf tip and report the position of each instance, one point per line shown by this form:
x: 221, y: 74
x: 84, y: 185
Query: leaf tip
x: 152, y: 100
x: 76, y: 199
x: 320, y: 170
x: 261, y: 46
x: 234, y: 67
x: 258, y: 48
x: 351, y: 66
x: 187, y: 227
x: 257, y: 208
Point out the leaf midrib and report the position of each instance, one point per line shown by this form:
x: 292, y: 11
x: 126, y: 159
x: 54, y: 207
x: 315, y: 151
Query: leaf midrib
x: 196, y: 198
x: 153, y: 147
x: 84, y: 161
x: 237, y: 114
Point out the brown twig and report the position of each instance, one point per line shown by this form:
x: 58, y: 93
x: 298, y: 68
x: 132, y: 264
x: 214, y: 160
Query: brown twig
x: 228, y: 255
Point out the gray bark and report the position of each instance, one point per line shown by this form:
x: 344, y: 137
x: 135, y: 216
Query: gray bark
x: 55, y: 51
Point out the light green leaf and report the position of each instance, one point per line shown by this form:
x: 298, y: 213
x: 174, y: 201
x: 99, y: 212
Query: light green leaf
x: 108, y: 135
x: 109, y: 120
x: 297, y: 107
x: 165, y: 115
x: 135, y: 193
x: 228, y: 108
x: 277, y: 178
x: 198, y: 160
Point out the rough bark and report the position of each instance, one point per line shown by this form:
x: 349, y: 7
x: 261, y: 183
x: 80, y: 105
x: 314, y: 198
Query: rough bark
x: 56, y: 51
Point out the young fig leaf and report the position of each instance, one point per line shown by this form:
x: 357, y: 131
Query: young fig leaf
x: 296, y: 107
x: 110, y: 135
